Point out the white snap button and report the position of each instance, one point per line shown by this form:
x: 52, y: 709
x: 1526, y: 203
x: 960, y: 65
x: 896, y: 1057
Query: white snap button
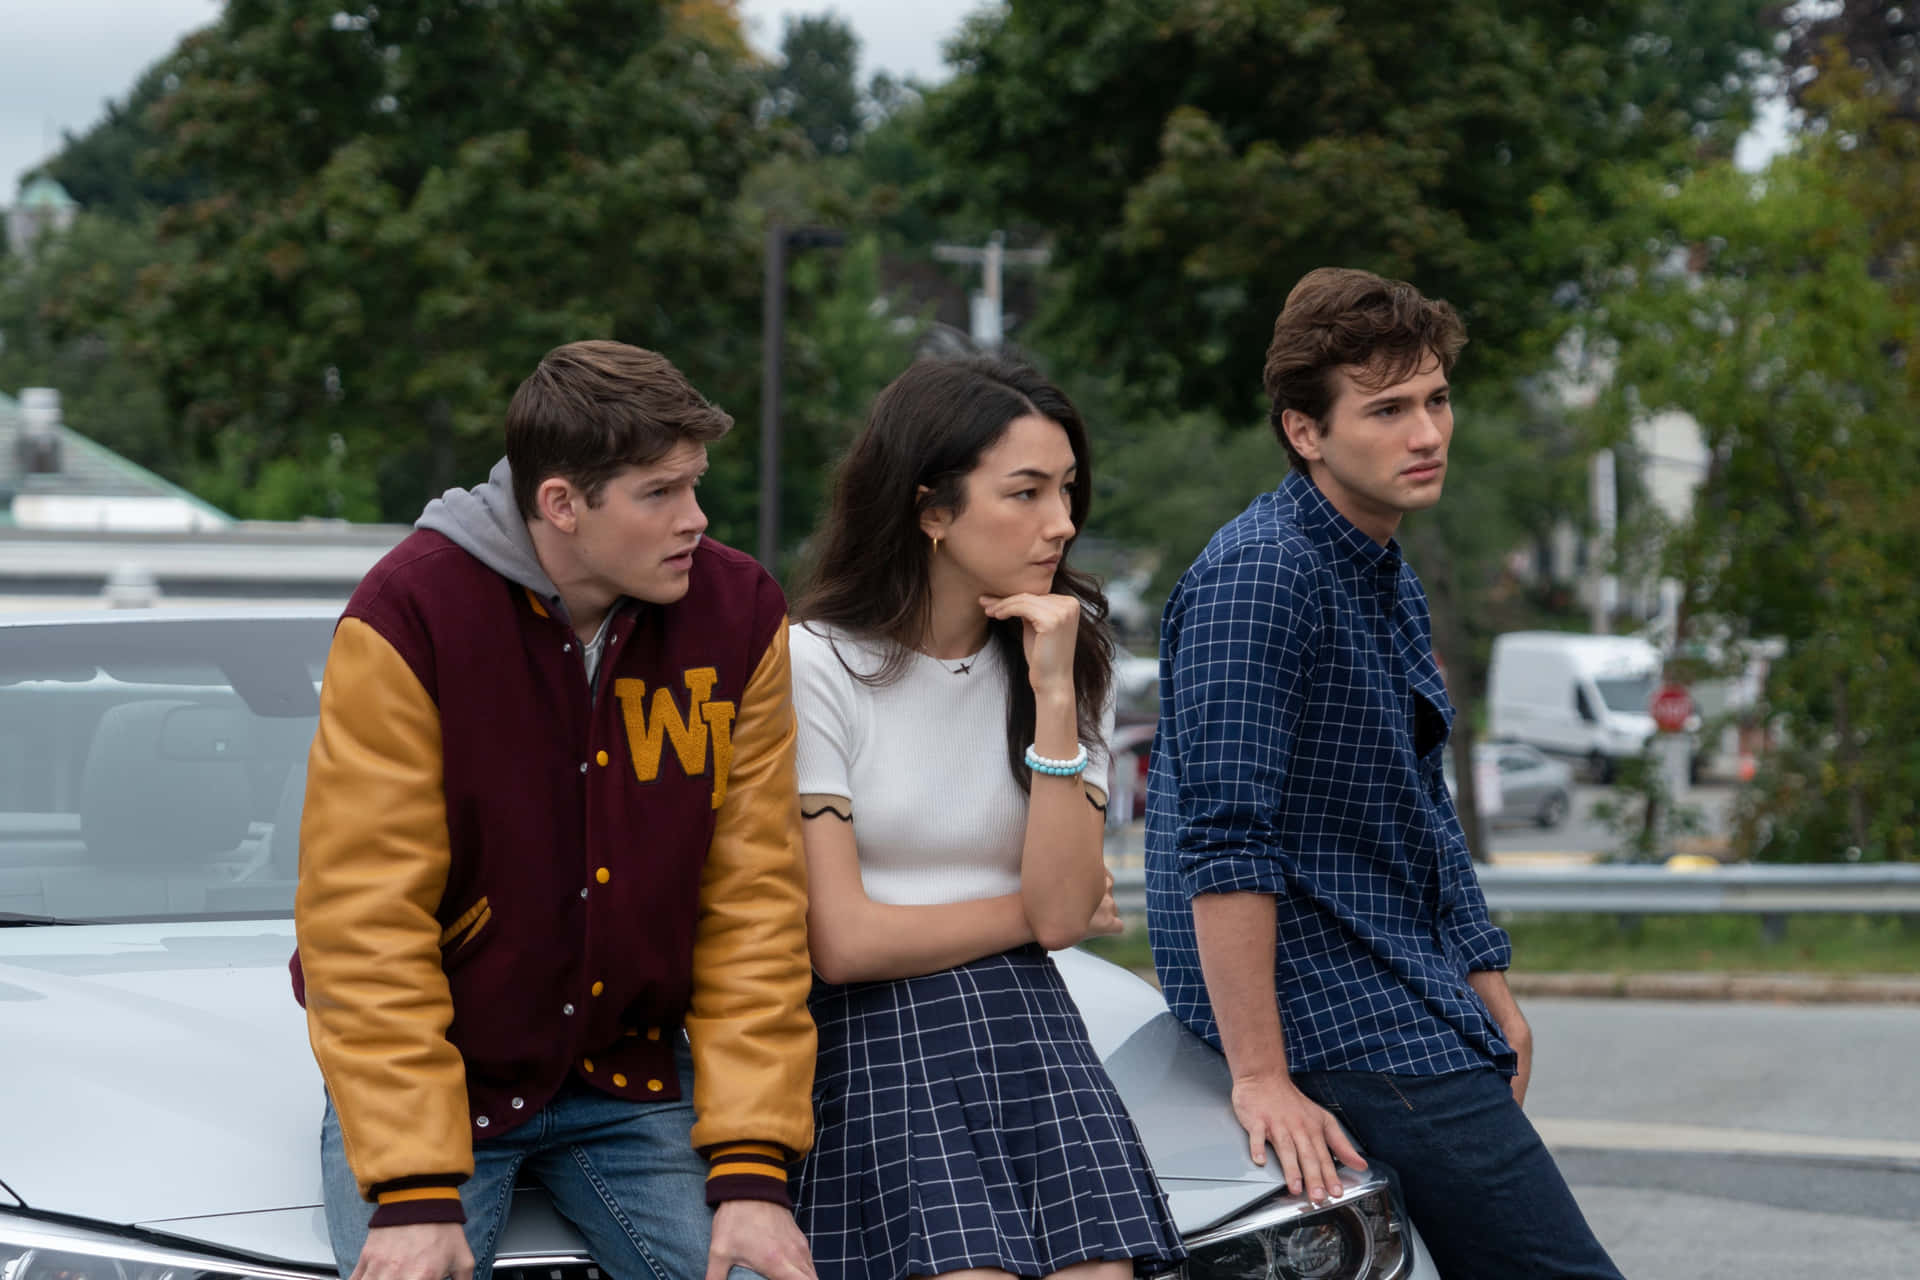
x: 567, y: 1010
x: 480, y: 1122
x: 518, y: 1103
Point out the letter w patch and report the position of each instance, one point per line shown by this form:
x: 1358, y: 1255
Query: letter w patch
x: 650, y: 727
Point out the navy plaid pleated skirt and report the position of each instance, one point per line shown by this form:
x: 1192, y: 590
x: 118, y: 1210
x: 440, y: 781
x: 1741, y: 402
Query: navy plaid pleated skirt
x: 964, y: 1120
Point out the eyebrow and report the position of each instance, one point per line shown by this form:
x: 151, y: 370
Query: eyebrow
x: 678, y: 476
x: 1037, y: 474
x: 1387, y: 400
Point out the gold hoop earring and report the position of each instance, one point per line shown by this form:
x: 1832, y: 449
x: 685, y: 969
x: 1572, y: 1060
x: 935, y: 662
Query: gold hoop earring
x: 936, y: 544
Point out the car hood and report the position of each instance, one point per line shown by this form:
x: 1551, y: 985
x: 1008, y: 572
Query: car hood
x: 170, y: 1085
x: 169, y: 1073
x: 1178, y: 1091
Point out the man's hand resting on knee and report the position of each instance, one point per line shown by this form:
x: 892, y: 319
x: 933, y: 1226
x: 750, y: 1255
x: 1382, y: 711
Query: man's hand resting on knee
x: 760, y: 1236
x: 418, y: 1251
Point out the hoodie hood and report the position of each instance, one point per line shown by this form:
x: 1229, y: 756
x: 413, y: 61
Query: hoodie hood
x: 485, y: 522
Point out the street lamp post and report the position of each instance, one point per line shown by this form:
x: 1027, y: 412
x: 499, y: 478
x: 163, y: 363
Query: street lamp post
x: 773, y: 307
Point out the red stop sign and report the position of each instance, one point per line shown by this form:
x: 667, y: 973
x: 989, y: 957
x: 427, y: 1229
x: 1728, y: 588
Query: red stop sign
x: 1672, y: 708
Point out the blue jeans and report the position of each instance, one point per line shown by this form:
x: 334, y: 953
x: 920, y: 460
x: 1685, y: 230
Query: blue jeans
x: 624, y: 1173
x: 1477, y: 1181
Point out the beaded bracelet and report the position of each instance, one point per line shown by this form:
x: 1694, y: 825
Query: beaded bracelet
x: 1072, y: 768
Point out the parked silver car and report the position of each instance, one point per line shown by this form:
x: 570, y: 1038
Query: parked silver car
x: 1519, y: 784
x: 159, y: 1108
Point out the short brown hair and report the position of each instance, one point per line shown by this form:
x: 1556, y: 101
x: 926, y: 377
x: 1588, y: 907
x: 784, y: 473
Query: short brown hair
x: 1338, y: 317
x: 593, y: 408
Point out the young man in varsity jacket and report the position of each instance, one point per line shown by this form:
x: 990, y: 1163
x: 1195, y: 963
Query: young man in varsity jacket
x: 552, y: 908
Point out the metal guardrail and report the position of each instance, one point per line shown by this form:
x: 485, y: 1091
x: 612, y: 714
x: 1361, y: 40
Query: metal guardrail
x: 1644, y: 890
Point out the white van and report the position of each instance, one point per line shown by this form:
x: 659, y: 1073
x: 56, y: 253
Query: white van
x: 1574, y: 695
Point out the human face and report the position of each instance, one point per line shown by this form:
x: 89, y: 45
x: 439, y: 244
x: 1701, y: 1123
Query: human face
x: 1011, y: 532
x: 638, y: 540
x: 1384, y: 452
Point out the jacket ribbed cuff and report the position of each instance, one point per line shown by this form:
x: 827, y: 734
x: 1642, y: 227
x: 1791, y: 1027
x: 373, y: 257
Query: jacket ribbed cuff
x: 748, y: 1171
x: 412, y: 1200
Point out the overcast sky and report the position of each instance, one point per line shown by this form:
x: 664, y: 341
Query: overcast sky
x: 63, y: 59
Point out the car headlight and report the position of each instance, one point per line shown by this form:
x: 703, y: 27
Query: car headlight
x: 36, y: 1249
x: 1360, y: 1239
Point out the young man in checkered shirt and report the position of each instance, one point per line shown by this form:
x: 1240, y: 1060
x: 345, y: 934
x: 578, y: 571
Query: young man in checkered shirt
x: 1313, y: 909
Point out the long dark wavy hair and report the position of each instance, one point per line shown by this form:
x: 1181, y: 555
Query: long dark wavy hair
x: 869, y: 572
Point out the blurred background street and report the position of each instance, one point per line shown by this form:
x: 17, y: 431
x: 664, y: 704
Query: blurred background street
x: 270, y: 273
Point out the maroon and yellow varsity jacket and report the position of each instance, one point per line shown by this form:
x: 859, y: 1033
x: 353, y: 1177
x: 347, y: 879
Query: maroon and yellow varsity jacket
x: 508, y: 878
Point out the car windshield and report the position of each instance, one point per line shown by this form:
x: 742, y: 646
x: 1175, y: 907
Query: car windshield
x: 153, y: 768
x: 1627, y: 693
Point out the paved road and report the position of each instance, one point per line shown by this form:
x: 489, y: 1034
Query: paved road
x: 1752, y: 1142
x: 1583, y: 832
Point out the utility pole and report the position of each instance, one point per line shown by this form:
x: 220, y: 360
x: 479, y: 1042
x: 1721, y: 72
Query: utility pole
x: 1602, y: 585
x: 773, y: 333
x: 987, y: 317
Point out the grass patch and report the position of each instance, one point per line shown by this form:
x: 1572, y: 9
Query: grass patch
x: 1711, y: 944
x: 1556, y: 943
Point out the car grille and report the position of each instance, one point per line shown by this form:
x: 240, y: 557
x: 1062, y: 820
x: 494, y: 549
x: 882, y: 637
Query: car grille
x: 544, y: 1270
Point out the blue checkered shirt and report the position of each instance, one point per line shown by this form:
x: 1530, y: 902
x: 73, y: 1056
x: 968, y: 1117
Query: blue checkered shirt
x: 1302, y: 724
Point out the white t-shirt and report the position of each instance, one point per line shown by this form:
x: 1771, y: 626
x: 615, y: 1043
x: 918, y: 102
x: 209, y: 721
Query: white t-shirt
x: 937, y: 816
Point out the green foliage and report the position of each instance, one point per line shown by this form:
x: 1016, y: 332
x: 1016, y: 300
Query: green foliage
x: 1643, y: 812
x: 108, y: 169
x: 58, y: 329
x: 1194, y: 158
x: 815, y: 86
x: 412, y: 204
x: 323, y: 483
x: 1573, y: 943
x: 1773, y: 312
x: 1880, y: 42
x: 845, y: 340
x: 1680, y: 944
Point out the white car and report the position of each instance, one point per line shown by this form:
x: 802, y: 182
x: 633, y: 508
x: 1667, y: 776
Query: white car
x: 159, y: 1108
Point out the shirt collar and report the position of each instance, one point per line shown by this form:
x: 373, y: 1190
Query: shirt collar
x: 1322, y: 521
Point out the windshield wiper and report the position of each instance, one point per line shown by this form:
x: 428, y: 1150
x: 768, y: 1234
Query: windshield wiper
x: 10, y: 919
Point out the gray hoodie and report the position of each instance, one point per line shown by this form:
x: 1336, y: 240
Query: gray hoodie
x: 486, y: 523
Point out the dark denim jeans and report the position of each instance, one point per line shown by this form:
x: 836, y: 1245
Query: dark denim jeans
x: 1474, y: 1176
x: 624, y: 1173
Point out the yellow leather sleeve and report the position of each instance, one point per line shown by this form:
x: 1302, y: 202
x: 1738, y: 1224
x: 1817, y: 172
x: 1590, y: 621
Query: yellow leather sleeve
x: 373, y: 865
x: 752, y: 1038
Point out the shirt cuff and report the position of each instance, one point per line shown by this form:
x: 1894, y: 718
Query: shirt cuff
x: 415, y: 1200
x: 1484, y: 945
x: 1233, y: 873
x: 748, y: 1171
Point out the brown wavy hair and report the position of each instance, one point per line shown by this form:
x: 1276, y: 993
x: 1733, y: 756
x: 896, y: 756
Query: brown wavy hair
x: 1337, y: 316
x: 592, y: 409
x: 869, y: 573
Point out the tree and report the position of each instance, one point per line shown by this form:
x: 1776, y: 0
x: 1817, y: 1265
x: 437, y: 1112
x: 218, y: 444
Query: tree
x: 816, y: 86
x: 58, y: 329
x: 108, y: 169
x: 1766, y: 307
x: 1193, y: 158
x: 411, y: 203
x: 1880, y: 41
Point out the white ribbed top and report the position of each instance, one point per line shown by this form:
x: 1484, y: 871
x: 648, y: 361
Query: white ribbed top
x: 937, y: 816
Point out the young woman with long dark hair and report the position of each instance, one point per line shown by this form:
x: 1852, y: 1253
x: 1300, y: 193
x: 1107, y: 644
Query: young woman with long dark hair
x: 951, y: 678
